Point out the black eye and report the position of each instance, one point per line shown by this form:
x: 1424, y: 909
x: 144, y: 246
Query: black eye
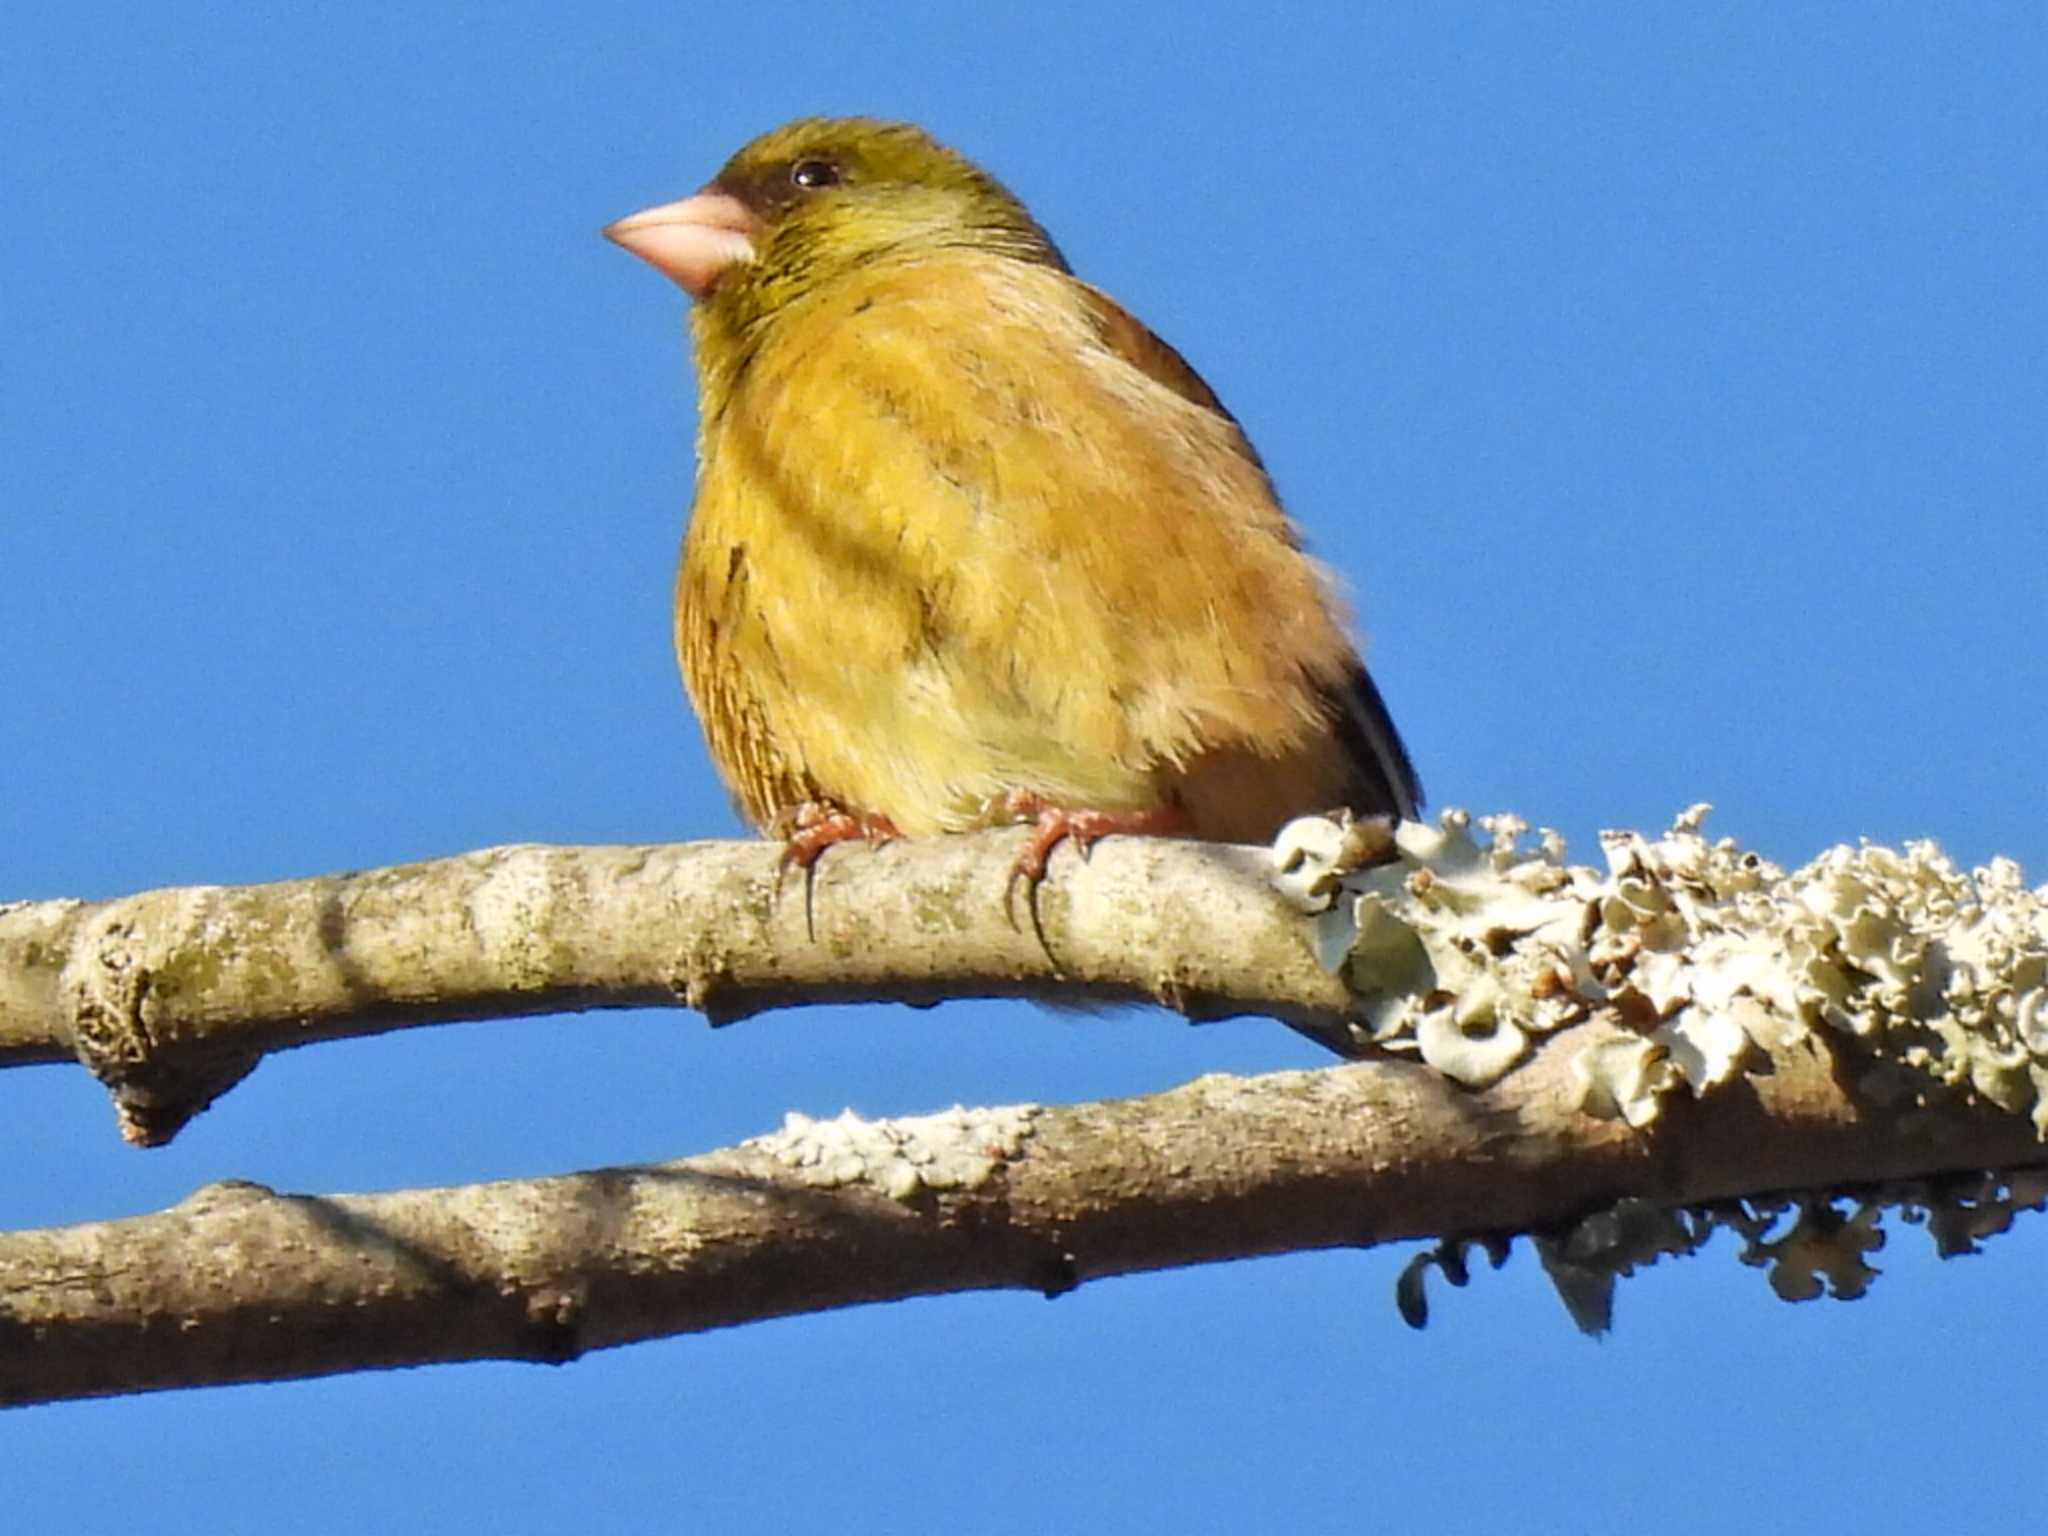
x: 811, y: 174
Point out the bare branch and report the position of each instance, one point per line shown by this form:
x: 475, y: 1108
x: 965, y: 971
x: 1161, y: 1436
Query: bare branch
x: 171, y: 996
x: 239, y: 1284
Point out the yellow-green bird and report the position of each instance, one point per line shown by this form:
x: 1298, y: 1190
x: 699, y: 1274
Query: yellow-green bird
x: 970, y: 544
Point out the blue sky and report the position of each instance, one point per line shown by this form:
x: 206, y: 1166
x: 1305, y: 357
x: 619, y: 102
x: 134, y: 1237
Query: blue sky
x: 1668, y: 384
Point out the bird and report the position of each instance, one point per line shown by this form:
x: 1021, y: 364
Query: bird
x: 969, y: 544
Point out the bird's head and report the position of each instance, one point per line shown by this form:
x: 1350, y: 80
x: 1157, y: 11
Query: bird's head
x: 820, y: 197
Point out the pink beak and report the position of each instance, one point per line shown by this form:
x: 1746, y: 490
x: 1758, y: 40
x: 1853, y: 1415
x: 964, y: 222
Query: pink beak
x: 692, y: 241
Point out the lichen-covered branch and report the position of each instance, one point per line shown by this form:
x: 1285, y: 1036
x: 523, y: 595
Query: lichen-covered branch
x: 1691, y: 954
x: 1695, y: 955
x: 171, y: 996
x: 237, y: 1283
x: 1616, y: 1061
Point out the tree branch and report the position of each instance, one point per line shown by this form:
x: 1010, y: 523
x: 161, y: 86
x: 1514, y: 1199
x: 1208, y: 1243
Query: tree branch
x: 171, y: 996
x: 239, y: 1284
x: 1691, y: 1026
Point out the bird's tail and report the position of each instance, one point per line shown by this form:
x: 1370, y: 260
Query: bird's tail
x: 1383, y: 780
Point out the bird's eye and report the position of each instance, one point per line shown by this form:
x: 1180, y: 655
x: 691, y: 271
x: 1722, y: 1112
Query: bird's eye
x: 811, y: 174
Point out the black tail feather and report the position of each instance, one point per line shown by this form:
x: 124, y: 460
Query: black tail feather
x: 1383, y: 779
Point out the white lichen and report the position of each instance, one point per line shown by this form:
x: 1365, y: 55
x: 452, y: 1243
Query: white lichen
x: 1459, y: 953
x: 956, y: 1149
x: 1688, y: 953
x: 1807, y: 1244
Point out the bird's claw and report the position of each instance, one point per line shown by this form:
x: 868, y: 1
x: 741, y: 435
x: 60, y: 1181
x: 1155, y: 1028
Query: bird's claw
x: 1053, y: 825
x: 807, y: 830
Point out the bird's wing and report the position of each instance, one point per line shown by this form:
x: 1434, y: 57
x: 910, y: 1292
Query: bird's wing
x: 1133, y: 341
x: 1382, y: 778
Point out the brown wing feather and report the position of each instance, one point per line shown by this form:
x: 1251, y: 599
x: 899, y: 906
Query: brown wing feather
x: 1133, y: 341
x: 1376, y: 775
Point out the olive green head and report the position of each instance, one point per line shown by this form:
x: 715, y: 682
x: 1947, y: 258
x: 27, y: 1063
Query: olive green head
x: 831, y: 194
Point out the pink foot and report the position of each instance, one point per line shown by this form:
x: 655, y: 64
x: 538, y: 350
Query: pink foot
x: 1056, y: 824
x: 807, y: 830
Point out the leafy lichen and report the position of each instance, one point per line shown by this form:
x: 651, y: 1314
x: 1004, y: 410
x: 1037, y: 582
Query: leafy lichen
x: 1808, y: 1244
x: 1685, y: 956
x: 1686, y: 953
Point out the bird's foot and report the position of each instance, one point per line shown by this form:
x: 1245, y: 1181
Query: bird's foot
x: 1054, y: 824
x: 808, y: 829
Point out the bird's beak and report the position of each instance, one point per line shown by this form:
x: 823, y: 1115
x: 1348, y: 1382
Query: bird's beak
x: 692, y: 241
